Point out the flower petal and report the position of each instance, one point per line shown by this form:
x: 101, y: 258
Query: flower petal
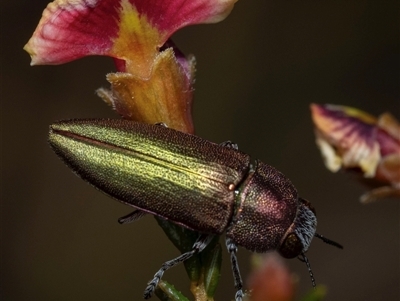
x: 389, y: 170
x: 351, y: 133
x: 388, y: 135
x: 380, y: 193
x: 131, y: 30
x: 332, y: 160
x: 272, y: 281
x: 71, y: 29
x: 165, y: 97
x: 350, y: 138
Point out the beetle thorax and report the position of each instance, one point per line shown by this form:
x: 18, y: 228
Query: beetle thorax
x: 266, y: 207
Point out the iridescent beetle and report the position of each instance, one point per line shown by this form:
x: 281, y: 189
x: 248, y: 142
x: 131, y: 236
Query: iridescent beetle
x: 206, y: 187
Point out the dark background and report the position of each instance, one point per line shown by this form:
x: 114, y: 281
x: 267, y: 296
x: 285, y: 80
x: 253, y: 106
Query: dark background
x: 258, y: 71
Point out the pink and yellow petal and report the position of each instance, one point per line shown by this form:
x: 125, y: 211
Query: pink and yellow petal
x: 130, y: 30
x: 137, y: 41
x: 350, y: 133
x: 350, y: 138
x: 72, y: 29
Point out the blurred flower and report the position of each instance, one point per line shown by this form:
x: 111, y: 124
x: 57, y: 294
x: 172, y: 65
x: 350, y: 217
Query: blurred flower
x: 272, y: 281
x: 352, y: 139
x: 154, y: 82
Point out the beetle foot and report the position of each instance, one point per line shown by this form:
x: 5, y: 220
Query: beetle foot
x: 239, y: 295
x: 151, y: 286
x: 200, y: 244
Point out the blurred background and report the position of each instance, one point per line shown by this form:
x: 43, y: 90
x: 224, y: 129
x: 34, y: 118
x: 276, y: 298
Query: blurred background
x: 257, y: 73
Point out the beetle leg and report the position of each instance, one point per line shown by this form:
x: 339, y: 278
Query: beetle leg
x: 131, y: 217
x: 198, y: 246
x: 232, y: 249
x: 230, y: 144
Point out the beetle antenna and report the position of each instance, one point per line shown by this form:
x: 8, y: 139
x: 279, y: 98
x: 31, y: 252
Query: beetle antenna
x: 328, y: 241
x: 303, y: 258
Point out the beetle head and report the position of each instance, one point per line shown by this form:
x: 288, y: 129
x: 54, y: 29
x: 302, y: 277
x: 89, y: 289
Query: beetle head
x: 299, y: 236
x: 300, y: 233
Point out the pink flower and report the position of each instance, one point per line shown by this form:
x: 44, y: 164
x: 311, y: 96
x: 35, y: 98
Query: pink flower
x: 272, y: 281
x: 154, y: 82
x: 352, y: 139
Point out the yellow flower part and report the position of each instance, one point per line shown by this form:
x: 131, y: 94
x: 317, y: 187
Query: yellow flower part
x: 136, y: 42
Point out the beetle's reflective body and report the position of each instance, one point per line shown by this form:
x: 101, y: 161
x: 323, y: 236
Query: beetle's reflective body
x: 206, y: 187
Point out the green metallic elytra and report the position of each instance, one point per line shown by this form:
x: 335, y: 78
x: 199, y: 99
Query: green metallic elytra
x: 152, y: 169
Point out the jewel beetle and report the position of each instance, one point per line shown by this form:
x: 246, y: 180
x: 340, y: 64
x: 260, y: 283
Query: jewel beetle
x: 207, y: 187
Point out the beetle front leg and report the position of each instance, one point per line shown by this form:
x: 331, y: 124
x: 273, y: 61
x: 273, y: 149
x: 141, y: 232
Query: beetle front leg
x: 200, y: 244
x: 232, y: 249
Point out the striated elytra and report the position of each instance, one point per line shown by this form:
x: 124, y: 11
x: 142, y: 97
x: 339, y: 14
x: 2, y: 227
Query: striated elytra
x: 207, y: 187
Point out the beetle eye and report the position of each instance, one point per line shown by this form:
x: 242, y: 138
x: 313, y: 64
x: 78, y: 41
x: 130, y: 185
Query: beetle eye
x: 291, y: 246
